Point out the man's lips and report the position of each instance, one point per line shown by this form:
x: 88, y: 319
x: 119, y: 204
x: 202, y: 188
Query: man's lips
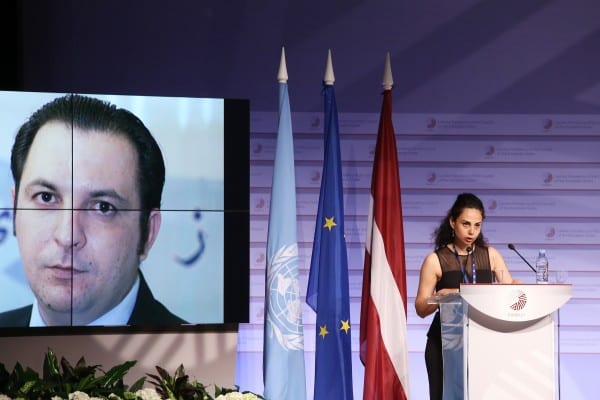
x: 64, y: 271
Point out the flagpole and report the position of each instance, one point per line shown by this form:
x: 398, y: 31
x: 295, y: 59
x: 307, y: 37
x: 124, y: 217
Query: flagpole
x: 383, y: 330
x: 283, y: 355
x: 387, y: 81
x: 328, y: 288
x: 329, y: 78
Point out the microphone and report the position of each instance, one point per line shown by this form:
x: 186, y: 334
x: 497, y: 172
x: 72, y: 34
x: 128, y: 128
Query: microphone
x: 512, y: 247
x: 473, y: 272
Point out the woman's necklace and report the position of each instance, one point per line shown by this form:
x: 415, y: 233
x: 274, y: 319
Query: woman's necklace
x: 465, y: 276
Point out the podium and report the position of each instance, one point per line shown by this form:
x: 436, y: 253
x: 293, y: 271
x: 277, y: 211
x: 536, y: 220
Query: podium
x: 499, y: 341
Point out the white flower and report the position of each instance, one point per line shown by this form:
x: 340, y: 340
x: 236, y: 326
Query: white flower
x: 4, y: 397
x: 148, y: 394
x: 79, y: 396
x: 237, y: 396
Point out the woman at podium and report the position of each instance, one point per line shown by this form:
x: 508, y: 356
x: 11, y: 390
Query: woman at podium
x: 461, y: 255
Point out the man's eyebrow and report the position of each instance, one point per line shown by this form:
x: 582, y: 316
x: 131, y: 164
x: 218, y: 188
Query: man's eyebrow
x: 41, y: 182
x: 110, y: 193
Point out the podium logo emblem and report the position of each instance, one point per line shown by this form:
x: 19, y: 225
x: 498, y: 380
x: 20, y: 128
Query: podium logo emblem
x: 519, y: 301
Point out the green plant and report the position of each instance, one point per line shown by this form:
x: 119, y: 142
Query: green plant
x: 61, y: 378
x: 178, y: 386
x: 64, y: 379
x: 24, y: 383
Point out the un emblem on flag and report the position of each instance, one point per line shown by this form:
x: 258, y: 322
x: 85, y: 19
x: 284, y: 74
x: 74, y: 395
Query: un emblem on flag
x: 284, y: 310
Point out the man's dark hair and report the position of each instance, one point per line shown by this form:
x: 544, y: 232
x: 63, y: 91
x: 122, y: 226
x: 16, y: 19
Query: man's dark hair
x: 88, y: 113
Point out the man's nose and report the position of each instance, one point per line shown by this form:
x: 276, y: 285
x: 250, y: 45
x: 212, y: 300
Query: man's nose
x: 69, y: 232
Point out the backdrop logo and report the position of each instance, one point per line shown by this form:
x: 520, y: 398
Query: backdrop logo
x: 548, y: 178
x: 550, y: 232
x: 547, y: 124
x: 257, y: 148
x: 431, y: 178
x: 316, y: 177
x: 315, y: 122
x: 260, y: 204
x: 492, y: 205
x: 519, y: 300
x: 431, y: 123
x: 490, y: 150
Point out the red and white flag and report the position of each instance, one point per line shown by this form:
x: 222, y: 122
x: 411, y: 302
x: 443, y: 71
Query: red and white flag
x: 383, y: 349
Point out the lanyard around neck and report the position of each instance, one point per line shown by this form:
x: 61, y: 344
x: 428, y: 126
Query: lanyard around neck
x: 465, y: 276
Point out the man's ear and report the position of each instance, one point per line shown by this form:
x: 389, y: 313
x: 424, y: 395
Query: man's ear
x: 154, y: 221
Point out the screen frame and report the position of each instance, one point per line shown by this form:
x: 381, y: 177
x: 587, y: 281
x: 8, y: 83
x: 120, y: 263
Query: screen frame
x: 236, y: 270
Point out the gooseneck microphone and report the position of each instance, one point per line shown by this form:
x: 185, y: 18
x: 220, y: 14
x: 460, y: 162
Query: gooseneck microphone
x: 512, y: 247
x: 473, y: 271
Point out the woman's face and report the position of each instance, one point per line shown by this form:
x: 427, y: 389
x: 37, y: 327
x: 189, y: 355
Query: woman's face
x: 467, y: 227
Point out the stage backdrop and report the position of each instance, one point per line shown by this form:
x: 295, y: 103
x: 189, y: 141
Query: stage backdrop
x: 537, y: 175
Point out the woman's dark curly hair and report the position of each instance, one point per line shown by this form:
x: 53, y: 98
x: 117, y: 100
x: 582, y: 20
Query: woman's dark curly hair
x: 444, y: 233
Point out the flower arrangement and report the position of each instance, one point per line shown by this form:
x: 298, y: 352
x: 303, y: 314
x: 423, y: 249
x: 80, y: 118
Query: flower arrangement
x: 62, y: 381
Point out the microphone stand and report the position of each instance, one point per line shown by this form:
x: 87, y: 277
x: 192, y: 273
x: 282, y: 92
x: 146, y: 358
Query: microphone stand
x: 512, y: 247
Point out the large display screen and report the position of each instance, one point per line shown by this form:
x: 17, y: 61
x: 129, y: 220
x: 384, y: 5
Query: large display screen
x: 84, y: 242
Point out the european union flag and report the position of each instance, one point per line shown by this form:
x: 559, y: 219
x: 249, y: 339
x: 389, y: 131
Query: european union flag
x: 328, y: 293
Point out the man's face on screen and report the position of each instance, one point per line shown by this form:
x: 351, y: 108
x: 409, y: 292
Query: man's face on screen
x: 77, y: 224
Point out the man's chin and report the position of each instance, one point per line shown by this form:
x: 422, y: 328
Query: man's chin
x: 63, y: 315
x: 58, y: 308
x: 59, y: 305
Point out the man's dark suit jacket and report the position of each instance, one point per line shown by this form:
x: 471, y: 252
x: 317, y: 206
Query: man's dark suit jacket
x: 147, y: 312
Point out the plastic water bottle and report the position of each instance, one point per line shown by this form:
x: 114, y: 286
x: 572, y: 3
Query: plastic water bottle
x: 541, y: 266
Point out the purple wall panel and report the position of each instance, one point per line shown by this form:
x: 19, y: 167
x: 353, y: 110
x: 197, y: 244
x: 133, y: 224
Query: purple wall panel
x: 540, y: 189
